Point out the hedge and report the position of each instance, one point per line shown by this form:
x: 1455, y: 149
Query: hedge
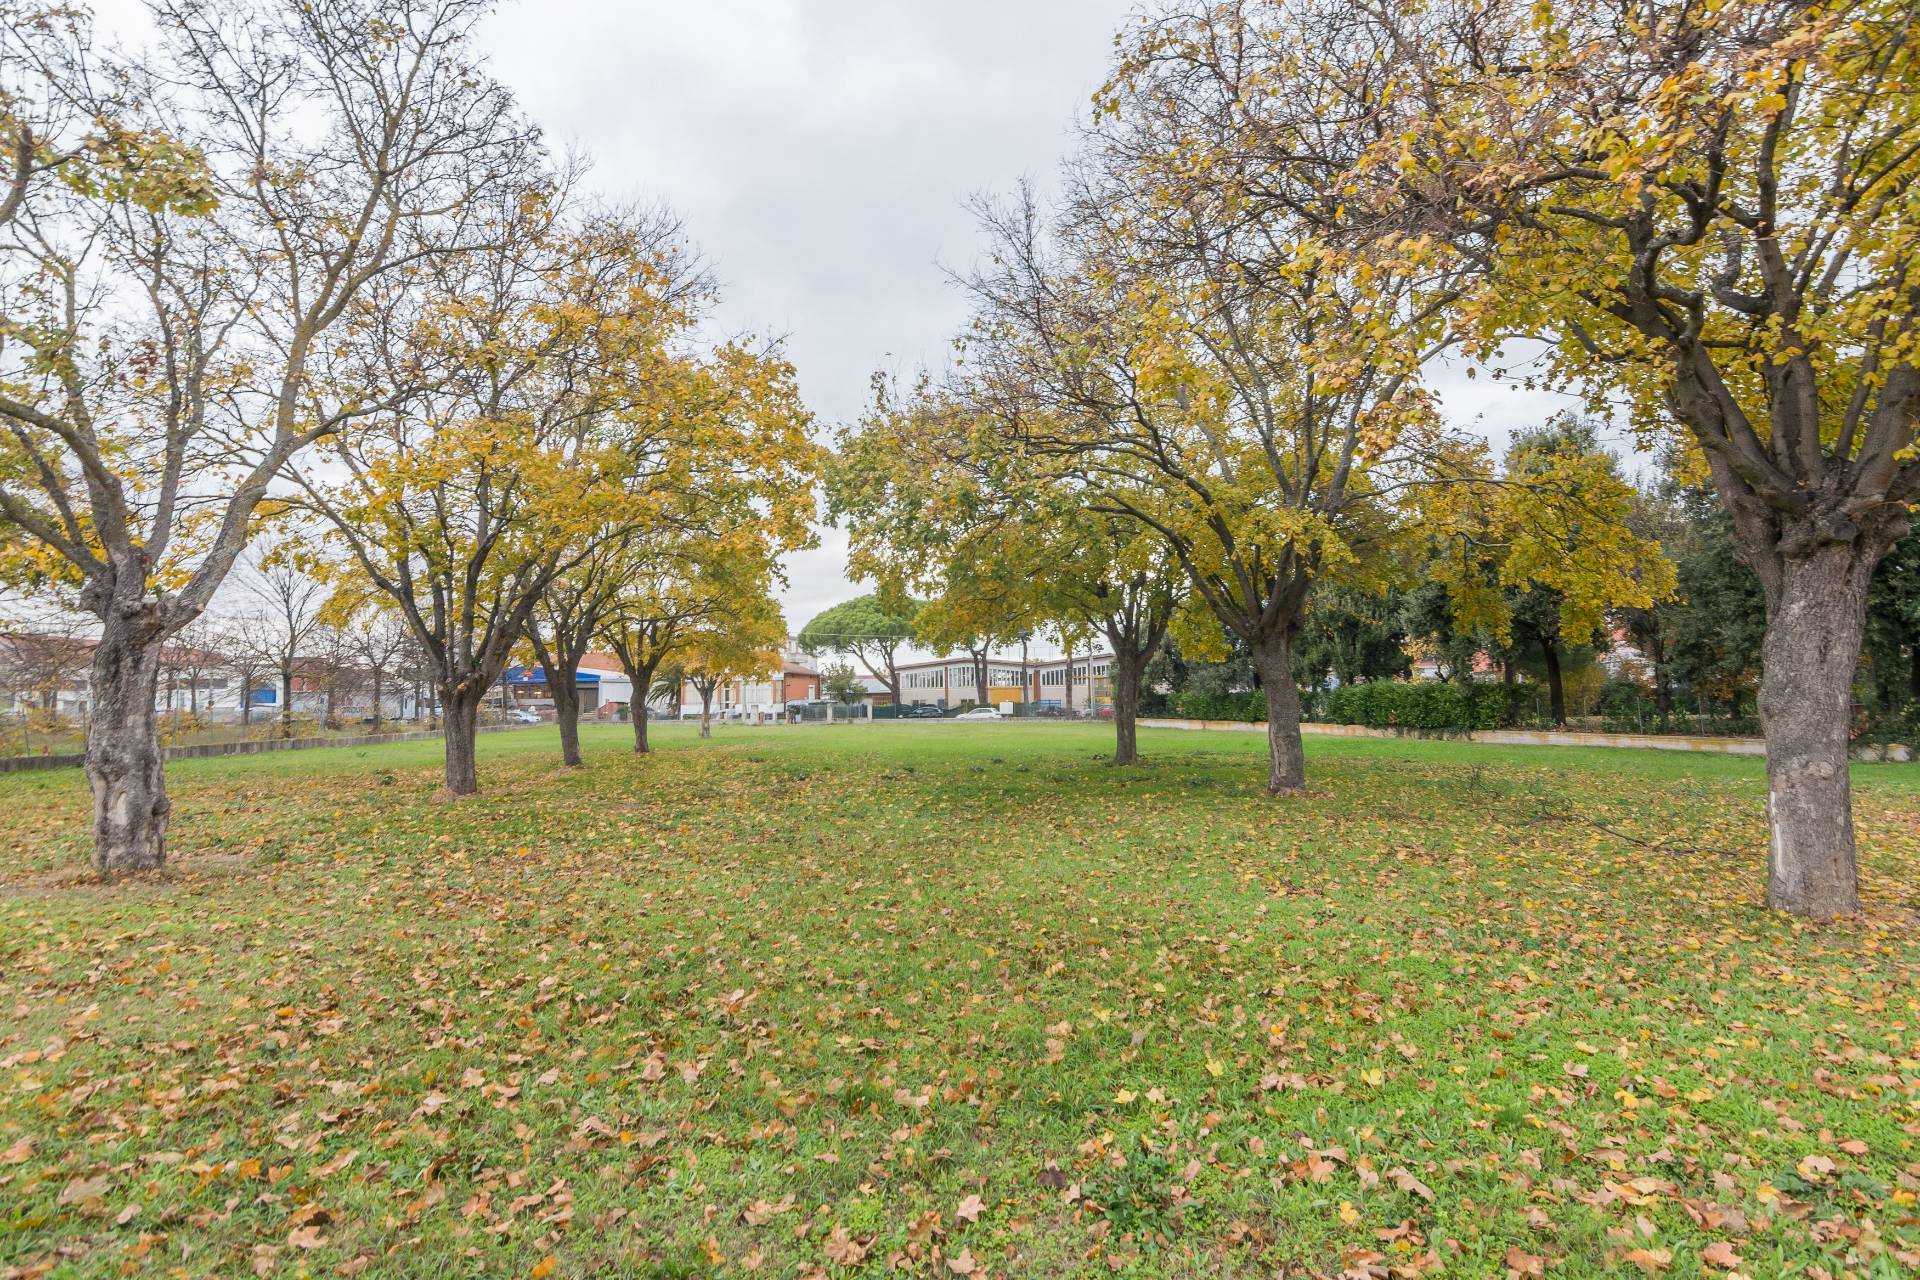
x: 1251, y: 706
x: 1386, y: 704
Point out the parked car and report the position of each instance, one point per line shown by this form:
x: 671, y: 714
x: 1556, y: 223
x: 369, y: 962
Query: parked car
x: 522, y: 716
x: 922, y: 711
x: 1049, y: 713
x: 979, y: 713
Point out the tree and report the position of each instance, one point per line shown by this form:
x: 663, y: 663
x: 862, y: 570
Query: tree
x: 737, y: 496
x: 1187, y: 346
x: 1706, y: 211
x: 1893, y: 629
x: 245, y: 643
x: 868, y: 628
x: 843, y: 684
x: 39, y: 656
x: 191, y: 657
x: 290, y: 604
x: 1716, y: 626
x: 738, y: 642
x: 1544, y: 550
x: 535, y: 440
x: 1350, y: 637
x: 377, y: 638
x: 182, y: 246
x: 935, y: 503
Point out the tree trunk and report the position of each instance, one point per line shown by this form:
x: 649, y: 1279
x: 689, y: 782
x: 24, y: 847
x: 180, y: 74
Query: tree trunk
x: 706, y: 713
x: 1913, y: 673
x: 124, y: 763
x: 1127, y: 673
x: 1286, y: 755
x: 1816, y: 618
x: 1662, y: 680
x: 377, y: 708
x: 566, y: 708
x: 639, y: 709
x: 460, y: 716
x: 1556, y: 690
x: 286, y: 702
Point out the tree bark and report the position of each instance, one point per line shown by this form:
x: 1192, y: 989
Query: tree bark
x: 1816, y: 619
x: 566, y: 709
x: 124, y: 763
x: 1286, y: 754
x: 639, y: 711
x: 1556, y: 688
x: 706, y: 713
x: 1128, y: 669
x: 286, y: 702
x: 460, y: 719
x: 1662, y: 680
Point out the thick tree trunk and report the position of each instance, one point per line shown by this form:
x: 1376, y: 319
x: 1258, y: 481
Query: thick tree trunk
x: 1816, y: 617
x: 566, y: 708
x: 1556, y: 688
x: 1286, y: 755
x: 639, y: 709
x: 1127, y: 672
x: 124, y: 764
x: 706, y: 713
x: 460, y: 718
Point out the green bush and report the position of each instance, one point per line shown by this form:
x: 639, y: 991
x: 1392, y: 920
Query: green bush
x: 1434, y: 705
x: 1378, y: 704
x: 1250, y: 706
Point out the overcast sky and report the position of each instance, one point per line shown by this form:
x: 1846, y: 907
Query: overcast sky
x: 822, y: 153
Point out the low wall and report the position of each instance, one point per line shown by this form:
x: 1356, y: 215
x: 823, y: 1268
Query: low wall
x: 249, y: 747
x: 1504, y: 737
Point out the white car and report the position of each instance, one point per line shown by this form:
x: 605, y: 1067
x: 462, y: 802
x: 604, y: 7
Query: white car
x: 522, y: 716
x: 980, y: 713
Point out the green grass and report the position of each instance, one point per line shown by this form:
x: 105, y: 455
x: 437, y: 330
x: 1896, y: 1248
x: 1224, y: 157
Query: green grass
x: 787, y: 1000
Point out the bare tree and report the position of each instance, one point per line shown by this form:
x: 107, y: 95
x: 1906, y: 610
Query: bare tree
x: 379, y: 641
x: 290, y: 603
x: 246, y: 643
x: 194, y: 658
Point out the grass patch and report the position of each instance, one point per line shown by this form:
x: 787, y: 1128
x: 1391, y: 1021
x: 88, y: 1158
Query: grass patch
x: 956, y: 1000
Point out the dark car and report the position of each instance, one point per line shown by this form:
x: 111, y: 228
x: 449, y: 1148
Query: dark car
x: 922, y: 711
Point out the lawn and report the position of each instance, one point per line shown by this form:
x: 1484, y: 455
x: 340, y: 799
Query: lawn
x: 957, y: 1001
